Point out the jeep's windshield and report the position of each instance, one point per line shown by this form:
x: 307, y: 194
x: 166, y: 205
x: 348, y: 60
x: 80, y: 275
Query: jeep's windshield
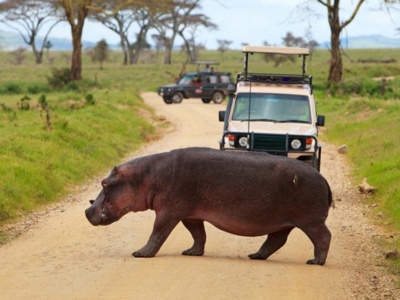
x: 272, y: 108
x: 187, y: 79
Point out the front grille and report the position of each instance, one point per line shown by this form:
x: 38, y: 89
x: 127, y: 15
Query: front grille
x: 269, y: 142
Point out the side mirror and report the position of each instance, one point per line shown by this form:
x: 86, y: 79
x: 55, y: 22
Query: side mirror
x: 221, y: 115
x: 320, y: 120
x: 231, y: 88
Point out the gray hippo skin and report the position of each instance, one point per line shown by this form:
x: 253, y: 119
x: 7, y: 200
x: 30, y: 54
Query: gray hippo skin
x: 243, y: 193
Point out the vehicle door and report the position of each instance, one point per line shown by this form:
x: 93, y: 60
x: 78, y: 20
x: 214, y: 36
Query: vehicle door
x: 210, y: 85
x: 194, y: 88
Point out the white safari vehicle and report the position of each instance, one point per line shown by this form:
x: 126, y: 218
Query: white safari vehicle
x: 274, y: 113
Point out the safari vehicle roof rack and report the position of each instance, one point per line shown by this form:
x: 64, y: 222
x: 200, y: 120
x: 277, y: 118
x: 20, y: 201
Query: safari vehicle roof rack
x: 302, y: 78
x: 205, y: 63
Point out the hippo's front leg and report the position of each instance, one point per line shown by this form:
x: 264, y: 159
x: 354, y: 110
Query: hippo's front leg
x: 163, y: 226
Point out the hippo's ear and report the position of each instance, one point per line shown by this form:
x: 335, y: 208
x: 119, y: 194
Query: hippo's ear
x: 115, y: 171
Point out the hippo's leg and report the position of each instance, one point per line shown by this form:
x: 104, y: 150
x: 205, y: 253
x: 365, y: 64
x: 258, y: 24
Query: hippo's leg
x: 196, y: 228
x: 320, y: 236
x: 275, y: 240
x: 163, y: 226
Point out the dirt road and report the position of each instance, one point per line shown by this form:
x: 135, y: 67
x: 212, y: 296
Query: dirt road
x: 62, y: 256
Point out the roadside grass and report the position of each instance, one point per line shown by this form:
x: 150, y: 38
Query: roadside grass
x: 86, y: 139
x: 38, y: 166
x: 369, y: 127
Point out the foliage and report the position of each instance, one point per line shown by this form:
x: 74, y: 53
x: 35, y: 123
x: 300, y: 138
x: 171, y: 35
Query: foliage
x: 59, y: 78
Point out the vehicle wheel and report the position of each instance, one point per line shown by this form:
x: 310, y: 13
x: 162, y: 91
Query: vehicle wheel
x: 218, y: 97
x: 206, y: 100
x: 177, y: 98
x: 167, y: 100
x: 313, y: 162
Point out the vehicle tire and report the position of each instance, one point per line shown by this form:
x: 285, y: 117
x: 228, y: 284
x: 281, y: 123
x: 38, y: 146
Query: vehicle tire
x: 167, y: 100
x: 177, y: 97
x: 205, y: 100
x: 218, y: 97
x: 313, y: 162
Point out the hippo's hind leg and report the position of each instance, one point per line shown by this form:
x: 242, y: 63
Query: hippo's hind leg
x: 275, y: 240
x: 320, y: 236
x: 196, y: 228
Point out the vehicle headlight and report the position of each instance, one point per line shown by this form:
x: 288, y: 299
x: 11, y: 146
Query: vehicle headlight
x: 243, y: 141
x: 296, y: 144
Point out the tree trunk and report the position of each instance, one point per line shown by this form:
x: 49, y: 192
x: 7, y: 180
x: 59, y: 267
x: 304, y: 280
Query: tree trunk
x: 76, y: 60
x: 336, y: 67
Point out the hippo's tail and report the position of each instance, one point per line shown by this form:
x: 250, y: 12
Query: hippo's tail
x: 330, y: 197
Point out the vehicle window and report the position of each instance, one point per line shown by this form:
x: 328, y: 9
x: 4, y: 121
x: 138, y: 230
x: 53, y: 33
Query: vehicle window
x: 213, y: 79
x: 224, y: 79
x: 186, y: 79
x: 272, y: 107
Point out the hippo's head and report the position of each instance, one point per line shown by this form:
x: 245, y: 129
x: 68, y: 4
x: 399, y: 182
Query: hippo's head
x: 114, y: 201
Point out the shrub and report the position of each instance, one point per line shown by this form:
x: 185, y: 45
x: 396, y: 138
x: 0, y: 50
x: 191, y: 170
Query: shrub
x: 23, y: 103
x: 12, y: 88
x: 60, y: 77
x: 90, y: 99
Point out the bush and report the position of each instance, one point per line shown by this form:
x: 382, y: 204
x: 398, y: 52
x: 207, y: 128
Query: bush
x: 12, y: 88
x: 60, y: 77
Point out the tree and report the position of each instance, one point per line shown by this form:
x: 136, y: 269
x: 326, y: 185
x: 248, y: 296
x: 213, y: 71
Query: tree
x: 28, y: 17
x: 223, y: 46
x: 75, y: 12
x: 174, y: 23
x: 191, y: 25
x: 336, y: 28
x: 121, y: 21
x: 101, y: 52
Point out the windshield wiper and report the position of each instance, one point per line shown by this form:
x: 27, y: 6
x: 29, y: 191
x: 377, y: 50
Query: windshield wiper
x: 290, y: 121
x: 258, y: 120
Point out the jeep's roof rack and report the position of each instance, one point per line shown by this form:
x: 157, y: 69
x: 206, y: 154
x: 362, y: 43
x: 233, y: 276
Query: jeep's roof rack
x: 205, y: 63
x: 304, y: 52
x: 302, y: 78
x: 276, y: 50
x: 275, y: 78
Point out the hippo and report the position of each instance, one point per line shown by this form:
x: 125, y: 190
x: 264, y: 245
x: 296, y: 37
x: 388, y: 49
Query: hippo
x: 243, y: 193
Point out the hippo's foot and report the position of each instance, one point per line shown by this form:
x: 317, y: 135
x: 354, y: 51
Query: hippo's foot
x: 315, y: 262
x: 142, y: 254
x: 193, y: 252
x: 257, y: 255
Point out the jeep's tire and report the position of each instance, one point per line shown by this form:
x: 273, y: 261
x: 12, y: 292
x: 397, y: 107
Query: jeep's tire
x: 206, y: 100
x: 218, y: 97
x: 313, y: 162
x: 177, y: 97
x: 167, y: 100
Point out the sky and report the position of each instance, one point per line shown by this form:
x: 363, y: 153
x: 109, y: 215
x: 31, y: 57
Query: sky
x: 257, y: 21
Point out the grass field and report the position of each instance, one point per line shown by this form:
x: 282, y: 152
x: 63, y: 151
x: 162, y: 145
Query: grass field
x: 100, y: 119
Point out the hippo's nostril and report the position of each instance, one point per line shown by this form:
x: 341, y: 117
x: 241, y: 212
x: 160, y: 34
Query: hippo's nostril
x: 91, y: 201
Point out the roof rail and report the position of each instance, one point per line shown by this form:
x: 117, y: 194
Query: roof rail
x: 275, y: 78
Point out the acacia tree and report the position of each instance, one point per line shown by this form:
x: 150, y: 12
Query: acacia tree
x: 121, y: 21
x: 336, y: 27
x: 76, y: 12
x: 169, y: 25
x: 191, y: 25
x: 28, y: 17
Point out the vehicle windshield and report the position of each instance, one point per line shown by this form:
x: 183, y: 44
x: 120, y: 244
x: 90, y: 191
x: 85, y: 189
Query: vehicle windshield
x: 187, y: 79
x: 272, y: 108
